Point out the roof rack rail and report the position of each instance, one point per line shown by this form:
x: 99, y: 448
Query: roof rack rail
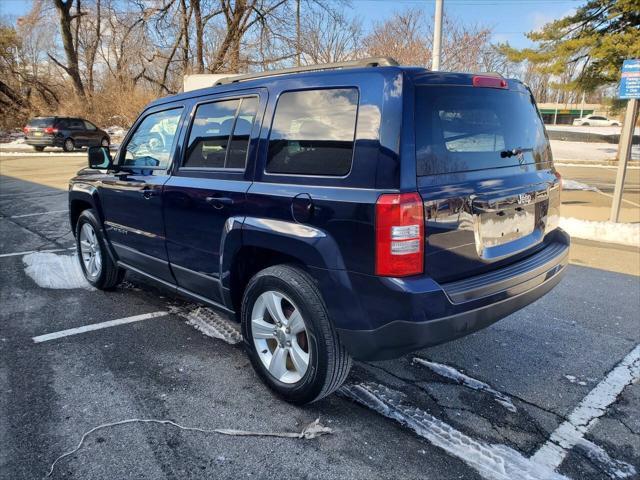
x: 364, y: 62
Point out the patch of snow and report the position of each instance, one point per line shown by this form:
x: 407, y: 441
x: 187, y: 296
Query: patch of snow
x: 50, y: 270
x: 493, y: 462
x: 211, y: 324
x: 573, y: 379
x: 575, y: 185
x: 593, y: 165
x: 620, y: 233
x: 469, y: 382
x: 565, y: 151
x: 610, y: 466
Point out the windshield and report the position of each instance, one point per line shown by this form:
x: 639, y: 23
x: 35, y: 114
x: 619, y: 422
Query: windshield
x: 468, y: 128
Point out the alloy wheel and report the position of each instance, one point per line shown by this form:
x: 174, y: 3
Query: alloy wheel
x: 90, y: 251
x: 280, y: 336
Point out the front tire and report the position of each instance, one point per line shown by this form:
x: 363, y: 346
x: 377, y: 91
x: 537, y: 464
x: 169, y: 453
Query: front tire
x: 95, y: 261
x: 290, y: 341
x: 38, y: 149
x: 69, y: 145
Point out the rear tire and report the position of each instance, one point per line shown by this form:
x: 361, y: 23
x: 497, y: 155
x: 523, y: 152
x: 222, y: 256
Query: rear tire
x: 69, y: 145
x: 328, y: 362
x: 38, y: 149
x: 585, y: 124
x: 102, y: 273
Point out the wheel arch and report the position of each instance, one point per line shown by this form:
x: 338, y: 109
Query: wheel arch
x: 252, y: 244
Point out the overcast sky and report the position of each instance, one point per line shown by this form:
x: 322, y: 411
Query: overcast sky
x: 510, y: 19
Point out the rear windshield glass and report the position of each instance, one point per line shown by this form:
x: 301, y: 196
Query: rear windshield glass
x: 41, y: 122
x: 460, y: 129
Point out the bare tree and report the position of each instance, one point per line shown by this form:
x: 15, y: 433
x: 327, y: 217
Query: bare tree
x: 69, y: 43
x: 329, y: 36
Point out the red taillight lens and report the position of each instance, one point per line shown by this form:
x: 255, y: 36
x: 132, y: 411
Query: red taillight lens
x: 399, y: 235
x: 50, y: 130
x: 489, y: 82
x: 25, y: 130
x: 559, y: 177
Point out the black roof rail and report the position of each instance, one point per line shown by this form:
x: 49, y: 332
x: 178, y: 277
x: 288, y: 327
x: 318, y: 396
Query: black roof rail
x: 364, y: 62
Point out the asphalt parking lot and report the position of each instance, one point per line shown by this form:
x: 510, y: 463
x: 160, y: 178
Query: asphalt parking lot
x: 549, y: 392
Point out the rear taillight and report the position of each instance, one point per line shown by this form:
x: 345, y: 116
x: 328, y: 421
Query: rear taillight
x: 487, y: 81
x: 26, y: 130
x: 399, y: 235
x: 50, y: 130
x: 559, y: 177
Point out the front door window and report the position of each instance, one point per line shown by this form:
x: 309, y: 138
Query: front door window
x: 152, y: 143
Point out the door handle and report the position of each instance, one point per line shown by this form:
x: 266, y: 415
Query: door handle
x: 219, y: 202
x: 148, y: 193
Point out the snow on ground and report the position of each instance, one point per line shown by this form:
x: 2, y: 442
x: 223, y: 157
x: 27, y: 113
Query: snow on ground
x: 621, y: 233
x: 50, y: 270
x: 575, y: 185
x: 588, y: 152
x: 590, y: 129
x: 469, y: 382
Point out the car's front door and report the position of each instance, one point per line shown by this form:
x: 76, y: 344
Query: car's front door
x: 131, y: 196
x: 209, y: 187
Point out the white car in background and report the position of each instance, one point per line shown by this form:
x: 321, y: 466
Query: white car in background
x: 596, y: 120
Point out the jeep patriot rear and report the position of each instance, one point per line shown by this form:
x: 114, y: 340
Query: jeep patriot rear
x: 360, y: 210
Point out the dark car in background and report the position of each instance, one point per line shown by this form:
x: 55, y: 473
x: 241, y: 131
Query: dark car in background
x: 66, y: 132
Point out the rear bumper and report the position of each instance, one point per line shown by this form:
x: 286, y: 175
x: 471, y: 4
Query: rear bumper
x: 417, y: 312
x: 43, y: 142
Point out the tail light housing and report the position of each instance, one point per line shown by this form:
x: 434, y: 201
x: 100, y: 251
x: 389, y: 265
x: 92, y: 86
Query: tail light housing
x: 399, y: 235
x: 50, y: 130
x: 559, y: 177
x: 26, y: 130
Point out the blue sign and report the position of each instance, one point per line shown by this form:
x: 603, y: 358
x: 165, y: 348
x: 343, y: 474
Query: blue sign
x: 630, y: 81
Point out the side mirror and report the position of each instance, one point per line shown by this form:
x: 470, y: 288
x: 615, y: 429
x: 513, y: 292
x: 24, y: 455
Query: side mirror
x: 99, y: 158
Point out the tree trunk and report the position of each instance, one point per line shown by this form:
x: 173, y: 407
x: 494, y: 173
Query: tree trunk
x: 93, y: 49
x: 197, y: 14
x: 64, y: 11
x: 185, y: 14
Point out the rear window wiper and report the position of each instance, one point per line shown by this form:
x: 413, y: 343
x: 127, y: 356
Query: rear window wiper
x: 514, y: 152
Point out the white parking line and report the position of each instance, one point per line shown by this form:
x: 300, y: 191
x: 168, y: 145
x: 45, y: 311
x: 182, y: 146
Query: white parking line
x: 97, y: 326
x: 18, y: 254
x: 39, y: 213
x: 590, y: 409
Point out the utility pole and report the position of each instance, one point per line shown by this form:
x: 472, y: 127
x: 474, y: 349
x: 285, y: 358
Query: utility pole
x: 298, y: 46
x: 437, y: 36
x: 624, y: 155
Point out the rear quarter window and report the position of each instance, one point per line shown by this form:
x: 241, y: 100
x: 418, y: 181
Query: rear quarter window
x: 313, y: 132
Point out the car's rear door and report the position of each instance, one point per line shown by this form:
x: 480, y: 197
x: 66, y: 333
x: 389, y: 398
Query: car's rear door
x: 77, y: 131
x: 93, y: 135
x: 209, y: 185
x: 131, y: 196
x: 486, y: 177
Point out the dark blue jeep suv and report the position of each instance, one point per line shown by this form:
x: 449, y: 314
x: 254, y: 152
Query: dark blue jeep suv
x: 358, y: 210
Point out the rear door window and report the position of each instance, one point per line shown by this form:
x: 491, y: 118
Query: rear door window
x: 313, y: 132
x: 468, y: 128
x: 219, y: 137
